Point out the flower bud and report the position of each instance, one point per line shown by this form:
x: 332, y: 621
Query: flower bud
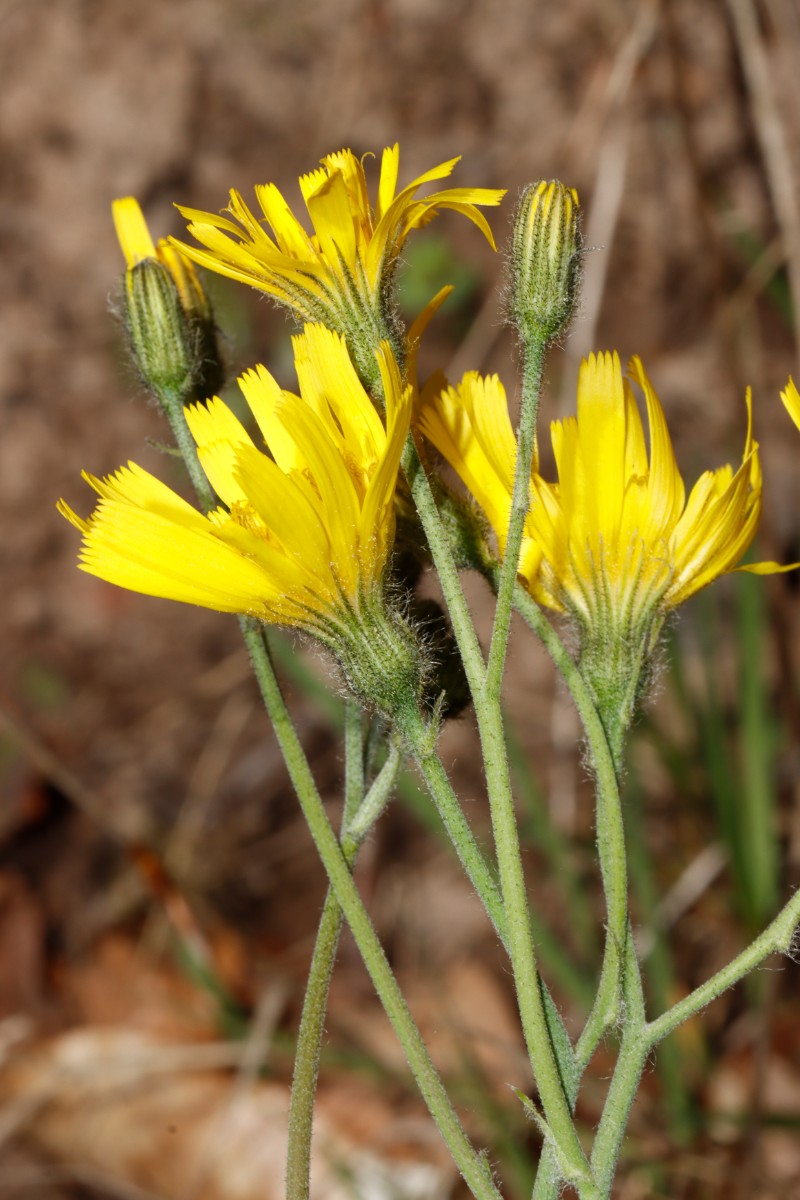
x: 544, y: 260
x: 162, y: 343
x: 167, y: 314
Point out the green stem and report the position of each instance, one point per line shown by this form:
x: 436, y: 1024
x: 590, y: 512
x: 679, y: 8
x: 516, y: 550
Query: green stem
x: 421, y: 743
x: 546, y: 1063
x: 639, y: 1037
x: 633, y: 1053
x: 610, y: 828
x: 777, y: 938
x: 307, y: 1054
x: 373, y: 804
x: 611, y: 850
x: 315, y: 1001
x: 534, y: 351
x: 353, y: 760
x: 172, y: 407
x: 530, y: 999
x: 512, y: 881
x: 472, y: 1165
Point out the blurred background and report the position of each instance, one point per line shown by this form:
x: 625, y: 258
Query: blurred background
x: 158, y: 890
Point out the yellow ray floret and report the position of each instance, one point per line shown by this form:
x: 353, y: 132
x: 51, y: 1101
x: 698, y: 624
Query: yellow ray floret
x: 470, y: 427
x: 791, y: 401
x: 616, y: 539
x: 302, y: 533
x: 353, y: 244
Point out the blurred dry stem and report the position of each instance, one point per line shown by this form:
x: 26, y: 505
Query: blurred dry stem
x: 782, y: 179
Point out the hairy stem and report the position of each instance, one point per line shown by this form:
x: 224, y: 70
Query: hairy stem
x: 611, y: 848
x: 777, y: 938
x: 545, y: 1059
x: 534, y: 352
x: 315, y: 1001
x: 421, y: 743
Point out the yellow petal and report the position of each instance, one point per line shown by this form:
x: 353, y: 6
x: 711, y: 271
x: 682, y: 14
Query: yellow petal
x: 602, y: 430
x: 146, y: 552
x: 218, y: 434
x: 132, y: 232
x: 264, y: 397
x: 329, y: 382
x: 665, y: 493
x: 284, y: 508
x: 390, y: 165
x: 332, y: 216
x: 791, y: 401
x: 292, y: 239
x: 135, y: 486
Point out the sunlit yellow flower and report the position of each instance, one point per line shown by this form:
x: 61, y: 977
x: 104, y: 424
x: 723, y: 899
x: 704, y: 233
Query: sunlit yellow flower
x: 615, y: 542
x: 339, y: 274
x: 303, y: 533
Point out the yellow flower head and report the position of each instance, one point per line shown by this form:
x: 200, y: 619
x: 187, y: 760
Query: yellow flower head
x: 615, y: 542
x: 303, y: 533
x: 337, y: 275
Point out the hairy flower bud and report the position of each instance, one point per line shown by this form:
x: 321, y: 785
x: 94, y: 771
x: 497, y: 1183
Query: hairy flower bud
x: 544, y: 260
x: 162, y: 343
x: 167, y: 314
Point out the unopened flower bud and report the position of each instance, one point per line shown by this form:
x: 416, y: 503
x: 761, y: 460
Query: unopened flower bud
x: 162, y: 343
x: 544, y: 260
x: 167, y: 314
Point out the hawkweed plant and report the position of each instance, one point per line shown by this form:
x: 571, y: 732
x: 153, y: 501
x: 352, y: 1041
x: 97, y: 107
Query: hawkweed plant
x: 296, y: 525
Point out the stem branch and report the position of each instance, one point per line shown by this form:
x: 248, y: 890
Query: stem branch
x: 472, y: 1165
x: 315, y: 1001
x: 778, y: 937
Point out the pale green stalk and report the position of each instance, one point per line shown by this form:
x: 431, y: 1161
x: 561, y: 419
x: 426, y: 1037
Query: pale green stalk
x: 421, y: 742
x: 353, y: 760
x: 553, y: 1094
x: 777, y: 938
x: 172, y: 407
x: 361, y: 812
x: 446, y: 569
x: 611, y: 849
x: 640, y: 1037
x: 633, y: 1052
x: 610, y: 828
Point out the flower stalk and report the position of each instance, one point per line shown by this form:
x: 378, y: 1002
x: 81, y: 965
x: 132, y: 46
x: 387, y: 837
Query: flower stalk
x: 361, y: 813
